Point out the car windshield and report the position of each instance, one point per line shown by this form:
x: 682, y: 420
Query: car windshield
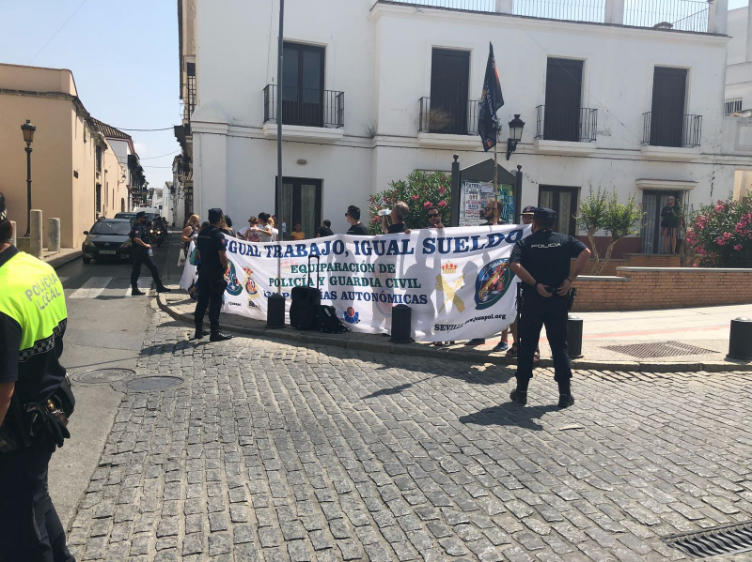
x: 125, y: 216
x: 111, y: 228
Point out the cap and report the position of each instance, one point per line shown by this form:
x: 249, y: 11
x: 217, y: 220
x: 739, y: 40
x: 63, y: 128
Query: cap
x: 3, y: 209
x: 543, y: 214
x: 215, y: 214
x: 529, y: 210
x: 140, y: 214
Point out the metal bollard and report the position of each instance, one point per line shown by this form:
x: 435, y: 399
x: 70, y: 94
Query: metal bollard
x: 53, y: 235
x: 402, y: 323
x: 574, y: 336
x: 275, y: 315
x: 740, y: 340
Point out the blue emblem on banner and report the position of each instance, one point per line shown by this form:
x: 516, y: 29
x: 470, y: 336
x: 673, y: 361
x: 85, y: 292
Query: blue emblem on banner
x: 492, y: 284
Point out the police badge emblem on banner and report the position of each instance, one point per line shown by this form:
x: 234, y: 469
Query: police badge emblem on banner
x: 457, y: 280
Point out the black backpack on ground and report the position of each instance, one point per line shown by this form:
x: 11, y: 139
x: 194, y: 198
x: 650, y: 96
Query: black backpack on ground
x: 306, y: 302
x: 328, y: 321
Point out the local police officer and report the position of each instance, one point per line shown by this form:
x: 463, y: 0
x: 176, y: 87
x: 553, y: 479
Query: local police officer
x: 141, y: 255
x: 35, y: 402
x: 212, y: 250
x: 542, y: 262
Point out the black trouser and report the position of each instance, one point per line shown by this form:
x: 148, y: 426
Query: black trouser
x: 139, y: 258
x: 30, y: 530
x: 536, y: 313
x: 211, y: 289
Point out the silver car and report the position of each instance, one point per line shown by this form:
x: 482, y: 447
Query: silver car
x: 108, y: 240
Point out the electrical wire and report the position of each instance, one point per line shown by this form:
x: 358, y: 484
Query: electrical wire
x: 162, y: 156
x: 145, y: 130
x: 58, y: 31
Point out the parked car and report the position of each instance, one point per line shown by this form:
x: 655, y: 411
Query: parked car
x: 130, y: 216
x: 108, y: 240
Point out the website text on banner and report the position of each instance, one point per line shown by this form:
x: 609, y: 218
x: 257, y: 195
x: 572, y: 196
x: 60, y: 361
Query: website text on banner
x: 457, y: 281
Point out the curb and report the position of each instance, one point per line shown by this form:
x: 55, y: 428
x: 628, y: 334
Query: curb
x: 60, y: 261
x: 455, y: 355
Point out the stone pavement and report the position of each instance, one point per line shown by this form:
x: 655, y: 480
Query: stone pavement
x: 274, y: 452
x: 702, y: 335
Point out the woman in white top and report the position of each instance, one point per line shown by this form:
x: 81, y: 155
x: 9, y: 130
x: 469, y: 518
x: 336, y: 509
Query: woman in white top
x: 265, y: 232
x: 275, y: 232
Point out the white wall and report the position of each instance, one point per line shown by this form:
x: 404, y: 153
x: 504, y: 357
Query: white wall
x: 381, y: 59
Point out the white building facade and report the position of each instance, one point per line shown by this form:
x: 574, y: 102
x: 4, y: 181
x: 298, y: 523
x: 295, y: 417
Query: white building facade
x: 376, y: 90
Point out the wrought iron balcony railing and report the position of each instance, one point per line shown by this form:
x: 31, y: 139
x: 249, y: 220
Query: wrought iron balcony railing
x: 665, y: 129
x: 305, y: 106
x: 449, y: 116
x: 554, y: 123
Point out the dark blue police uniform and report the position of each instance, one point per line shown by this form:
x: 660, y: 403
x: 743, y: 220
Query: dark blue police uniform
x: 140, y: 255
x: 547, y: 256
x: 211, y: 282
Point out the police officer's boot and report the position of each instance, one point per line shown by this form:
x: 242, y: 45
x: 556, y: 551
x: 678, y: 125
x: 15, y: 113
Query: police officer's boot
x: 565, y: 394
x: 200, y: 333
x: 163, y: 289
x: 136, y: 292
x: 519, y: 394
x: 217, y: 335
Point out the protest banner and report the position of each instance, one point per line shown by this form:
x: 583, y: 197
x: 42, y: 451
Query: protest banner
x: 457, y: 281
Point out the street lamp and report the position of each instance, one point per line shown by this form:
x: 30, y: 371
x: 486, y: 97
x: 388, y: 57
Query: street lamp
x: 516, y: 126
x: 28, y: 134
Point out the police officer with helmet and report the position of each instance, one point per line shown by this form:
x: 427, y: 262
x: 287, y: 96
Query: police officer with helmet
x: 142, y: 255
x: 212, y: 250
x: 35, y: 402
x: 542, y: 262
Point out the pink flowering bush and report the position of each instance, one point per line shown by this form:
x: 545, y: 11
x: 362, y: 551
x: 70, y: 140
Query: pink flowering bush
x: 721, y: 234
x: 420, y: 191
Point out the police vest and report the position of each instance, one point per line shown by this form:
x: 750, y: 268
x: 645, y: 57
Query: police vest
x: 32, y: 295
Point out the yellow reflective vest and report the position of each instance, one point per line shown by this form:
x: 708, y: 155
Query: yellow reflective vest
x: 31, y: 294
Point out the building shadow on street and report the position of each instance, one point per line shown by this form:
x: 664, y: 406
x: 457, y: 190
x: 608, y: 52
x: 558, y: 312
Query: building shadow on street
x: 510, y: 414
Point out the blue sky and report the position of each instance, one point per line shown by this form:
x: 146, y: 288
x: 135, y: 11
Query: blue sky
x: 124, y: 57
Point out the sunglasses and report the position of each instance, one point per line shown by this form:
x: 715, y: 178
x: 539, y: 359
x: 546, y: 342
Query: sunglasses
x: 433, y: 215
x: 347, y: 215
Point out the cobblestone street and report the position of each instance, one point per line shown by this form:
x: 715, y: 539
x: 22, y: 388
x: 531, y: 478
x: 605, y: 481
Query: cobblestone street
x: 280, y: 453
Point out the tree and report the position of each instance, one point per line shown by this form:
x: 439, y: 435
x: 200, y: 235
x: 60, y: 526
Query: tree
x: 722, y: 234
x: 421, y: 190
x: 622, y: 219
x: 599, y: 211
x: 592, y: 217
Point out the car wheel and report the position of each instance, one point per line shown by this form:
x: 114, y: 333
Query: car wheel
x: 87, y: 261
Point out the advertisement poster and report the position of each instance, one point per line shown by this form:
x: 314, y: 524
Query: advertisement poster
x: 475, y: 195
x: 457, y: 281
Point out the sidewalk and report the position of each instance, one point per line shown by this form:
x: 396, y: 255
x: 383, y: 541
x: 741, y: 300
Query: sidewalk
x: 62, y: 257
x: 660, y: 340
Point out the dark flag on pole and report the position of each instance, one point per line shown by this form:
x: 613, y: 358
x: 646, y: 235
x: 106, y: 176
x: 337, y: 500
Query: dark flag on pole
x: 491, y: 101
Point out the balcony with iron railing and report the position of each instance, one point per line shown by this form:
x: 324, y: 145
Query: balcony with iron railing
x: 560, y: 130
x: 671, y: 130
x: 448, y: 122
x: 306, y: 112
x: 671, y: 135
x: 698, y: 16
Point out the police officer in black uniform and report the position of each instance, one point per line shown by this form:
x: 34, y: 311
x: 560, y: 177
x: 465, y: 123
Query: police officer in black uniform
x: 140, y: 252
x: 212, y: 250
x: 542, y: 262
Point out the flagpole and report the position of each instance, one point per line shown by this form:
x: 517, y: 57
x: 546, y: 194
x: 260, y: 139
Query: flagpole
x: 280, y: 185
x: 496, y: 178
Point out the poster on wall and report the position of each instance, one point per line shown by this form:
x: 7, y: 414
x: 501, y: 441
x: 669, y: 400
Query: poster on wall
x: 476, y: 194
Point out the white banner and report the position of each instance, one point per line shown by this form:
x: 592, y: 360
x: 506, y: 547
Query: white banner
x: 456, y: 280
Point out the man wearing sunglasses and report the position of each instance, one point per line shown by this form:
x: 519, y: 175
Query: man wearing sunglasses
x: 434, y: 218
